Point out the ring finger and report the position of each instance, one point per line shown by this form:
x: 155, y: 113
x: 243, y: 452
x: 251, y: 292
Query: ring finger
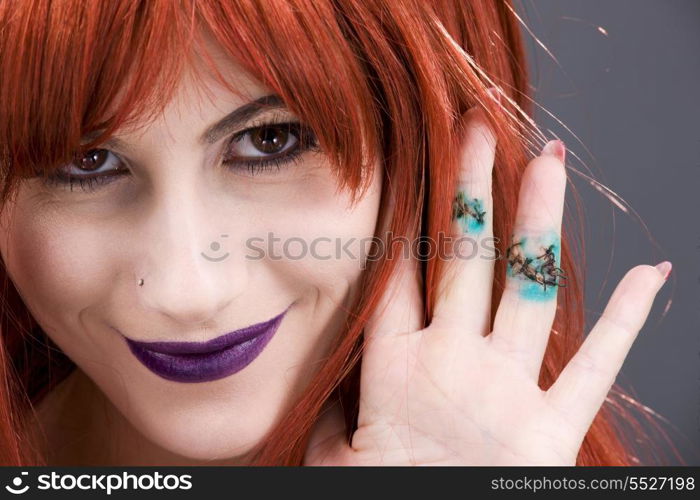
x: 528, y: 305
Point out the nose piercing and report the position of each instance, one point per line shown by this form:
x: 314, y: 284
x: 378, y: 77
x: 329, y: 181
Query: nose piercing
x: 141, y: 282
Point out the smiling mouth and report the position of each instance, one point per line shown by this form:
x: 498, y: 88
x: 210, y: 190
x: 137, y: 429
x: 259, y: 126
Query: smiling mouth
x: 208, y: 360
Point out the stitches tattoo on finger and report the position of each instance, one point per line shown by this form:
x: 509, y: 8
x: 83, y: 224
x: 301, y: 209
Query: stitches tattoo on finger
x: 535, y: 261
x: 468, y: 212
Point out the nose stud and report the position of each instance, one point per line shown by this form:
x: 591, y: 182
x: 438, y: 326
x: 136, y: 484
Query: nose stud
x: 141, y: 282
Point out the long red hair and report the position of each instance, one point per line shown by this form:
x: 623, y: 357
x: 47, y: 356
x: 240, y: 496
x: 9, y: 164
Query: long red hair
x: 386, y: 80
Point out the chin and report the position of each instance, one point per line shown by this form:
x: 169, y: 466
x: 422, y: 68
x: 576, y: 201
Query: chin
x: 205, y: 434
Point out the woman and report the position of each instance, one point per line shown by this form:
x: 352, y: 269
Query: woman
x: 210, y: 239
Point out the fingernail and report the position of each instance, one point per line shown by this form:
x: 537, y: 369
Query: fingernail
x: 555, y: 148
x: 495, y: 94
x: 664, y: 268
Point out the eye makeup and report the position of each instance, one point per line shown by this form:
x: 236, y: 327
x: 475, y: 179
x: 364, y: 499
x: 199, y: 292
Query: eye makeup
x: 277, y: 130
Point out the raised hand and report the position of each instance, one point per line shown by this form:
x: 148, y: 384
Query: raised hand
x: 456, y: 393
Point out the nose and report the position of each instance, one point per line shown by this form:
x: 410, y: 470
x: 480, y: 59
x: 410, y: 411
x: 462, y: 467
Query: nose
x: 185, y: 280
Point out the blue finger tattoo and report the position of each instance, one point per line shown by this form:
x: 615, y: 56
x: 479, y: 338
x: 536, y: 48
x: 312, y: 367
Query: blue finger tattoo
x: 468, y: 213
x: 534, y: 262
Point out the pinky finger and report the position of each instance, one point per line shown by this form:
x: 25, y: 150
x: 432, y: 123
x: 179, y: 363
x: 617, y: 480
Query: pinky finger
x: 586, y: 380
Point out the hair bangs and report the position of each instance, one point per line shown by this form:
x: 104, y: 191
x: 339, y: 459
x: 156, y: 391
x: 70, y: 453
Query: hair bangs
x: 97, y: 67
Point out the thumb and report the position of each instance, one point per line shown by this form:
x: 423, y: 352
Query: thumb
x: 327, y: 444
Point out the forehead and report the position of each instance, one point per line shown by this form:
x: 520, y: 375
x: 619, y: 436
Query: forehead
x: 201, y: 86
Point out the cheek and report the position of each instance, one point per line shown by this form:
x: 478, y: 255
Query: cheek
x: 313, y: 247
x: 59, y: 269
x: 321, y: 240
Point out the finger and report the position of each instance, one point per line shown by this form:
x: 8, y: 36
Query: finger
x: 586, y: 380
x: 400, y: 309
x: 464, y: 297
x: 528, y: 304
x: 392, y: 336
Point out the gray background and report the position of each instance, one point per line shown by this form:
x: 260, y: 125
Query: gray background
x: 631, y: 97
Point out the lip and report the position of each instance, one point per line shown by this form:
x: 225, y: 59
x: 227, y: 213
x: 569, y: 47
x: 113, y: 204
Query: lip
x: 208, y: 360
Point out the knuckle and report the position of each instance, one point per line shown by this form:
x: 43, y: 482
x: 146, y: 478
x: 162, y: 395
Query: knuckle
x: 618, y: 324
x: 591, y: 366
x: 510, y: 348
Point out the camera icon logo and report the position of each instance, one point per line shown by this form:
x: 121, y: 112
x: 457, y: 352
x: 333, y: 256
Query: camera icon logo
x: 215, y: 246
x: 17, y: 482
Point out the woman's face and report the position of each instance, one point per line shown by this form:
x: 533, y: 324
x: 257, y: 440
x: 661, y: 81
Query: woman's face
x: 218, y: 249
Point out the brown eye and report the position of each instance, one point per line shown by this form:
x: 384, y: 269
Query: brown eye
x: 91, y: 160
x: 269, y: 140
x: 93, y: 168
x: 269, y: 146
x: 262, y: 142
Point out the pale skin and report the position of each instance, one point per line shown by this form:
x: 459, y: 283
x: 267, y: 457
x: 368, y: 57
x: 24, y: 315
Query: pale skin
x: 445, y: 394
x: 77, y: 257
x: 460, y: 393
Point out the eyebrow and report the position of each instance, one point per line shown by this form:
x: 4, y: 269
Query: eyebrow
x: 218, y: 130
x: 240, y: 116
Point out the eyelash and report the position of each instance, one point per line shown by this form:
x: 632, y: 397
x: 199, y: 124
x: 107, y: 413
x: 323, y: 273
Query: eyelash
x: 306, y: 141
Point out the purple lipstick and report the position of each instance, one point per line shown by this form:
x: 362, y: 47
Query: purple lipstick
x: 209, y: 360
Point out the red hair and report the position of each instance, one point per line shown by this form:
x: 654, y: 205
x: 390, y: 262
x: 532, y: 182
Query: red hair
x: 381, y: 80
